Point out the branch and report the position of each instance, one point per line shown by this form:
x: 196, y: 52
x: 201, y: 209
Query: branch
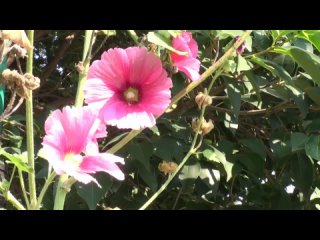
x: 60, y: 53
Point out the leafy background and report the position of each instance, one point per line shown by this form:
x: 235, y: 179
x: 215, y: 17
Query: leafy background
x: 263, y: 153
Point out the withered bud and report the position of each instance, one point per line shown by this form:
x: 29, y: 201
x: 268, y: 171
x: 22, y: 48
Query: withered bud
x: 205, y: 127
x: 17, y: 36
x: 31, y: 82
x: 167, y: 167
x: 18, y: 51
x: 22, y: 91
x: 7, y: 78
x: 80, y: 67
x: 203, y: 100
x: 18, y: 78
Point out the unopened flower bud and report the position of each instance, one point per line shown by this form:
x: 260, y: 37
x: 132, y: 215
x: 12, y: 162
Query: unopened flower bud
x: 80, y: 67
x: 203, y: 100
x: 240, y: 49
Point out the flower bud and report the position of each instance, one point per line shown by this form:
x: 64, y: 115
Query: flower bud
x: 203, y: 100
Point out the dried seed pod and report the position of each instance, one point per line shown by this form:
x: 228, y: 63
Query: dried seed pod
x: 22, y: 91
x: 203, y: 100
x: 18, y: 51
x: 17, y: 36
x: 167, y: 167
x: 206, y: 127
x: 7, y: 78
x: 31, y: 82
x: 18, y: 79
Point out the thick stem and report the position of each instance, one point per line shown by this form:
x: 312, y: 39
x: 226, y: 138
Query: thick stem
x: 29, y: 122
x: 88, y: 42
x: 10, y: 198
x: 61, y: 193
x: 187, y: 89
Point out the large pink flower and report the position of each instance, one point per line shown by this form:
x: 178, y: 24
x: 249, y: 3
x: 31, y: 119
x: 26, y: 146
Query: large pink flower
x: 188, y: 64
x: 70, y: 145
x: 129, y: 87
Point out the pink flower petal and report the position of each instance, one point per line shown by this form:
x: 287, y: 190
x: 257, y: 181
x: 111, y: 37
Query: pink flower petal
x: 103, y: 162
x: 120, y: 69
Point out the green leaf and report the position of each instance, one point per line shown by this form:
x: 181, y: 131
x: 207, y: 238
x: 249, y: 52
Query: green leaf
x: 18, y: 160
x: 213, y: 154
x: 141, y: 152
x: 274, y: 68
x: 91, y: 193
x: 251, y: 77
x: 109, y: 32
x: 228, y: 33
x: 148, y: 176
x: 302, y: 172
x: 159, y: 40
x: 303, y: 44
x: 314, y: 94
x: 255, y: 145
x: 252, y: 161
x: 190, y: 171
x: 308, y: 61
x: 312, y: 36
x: 235, y: 98
x: 167, y: 148
x: 242, y: 65
x: 298, y: 141
x: 312, y: 147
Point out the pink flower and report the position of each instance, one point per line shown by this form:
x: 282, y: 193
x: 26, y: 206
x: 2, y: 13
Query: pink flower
x: 242, y: 47
x: 70, y: 145
x: 129, y: 87
x: 189, y: 64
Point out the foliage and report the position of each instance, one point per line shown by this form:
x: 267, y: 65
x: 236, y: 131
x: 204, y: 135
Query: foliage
x: 263, y: 153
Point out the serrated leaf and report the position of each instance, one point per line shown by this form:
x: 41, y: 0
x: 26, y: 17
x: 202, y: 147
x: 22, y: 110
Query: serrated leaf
x: 17, y: 160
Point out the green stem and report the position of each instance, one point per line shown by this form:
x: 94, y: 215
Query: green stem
x: 134, y: 36
x: 12, y: 175
x: 29, y: 129
x: 45, y: 188
x: 10, y: 198
x: 192, y: 150
x: 61, y: 193
x: 88, y: 42
x: 23, y: 189
x: 217, y: 65
x: 164, y: 186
